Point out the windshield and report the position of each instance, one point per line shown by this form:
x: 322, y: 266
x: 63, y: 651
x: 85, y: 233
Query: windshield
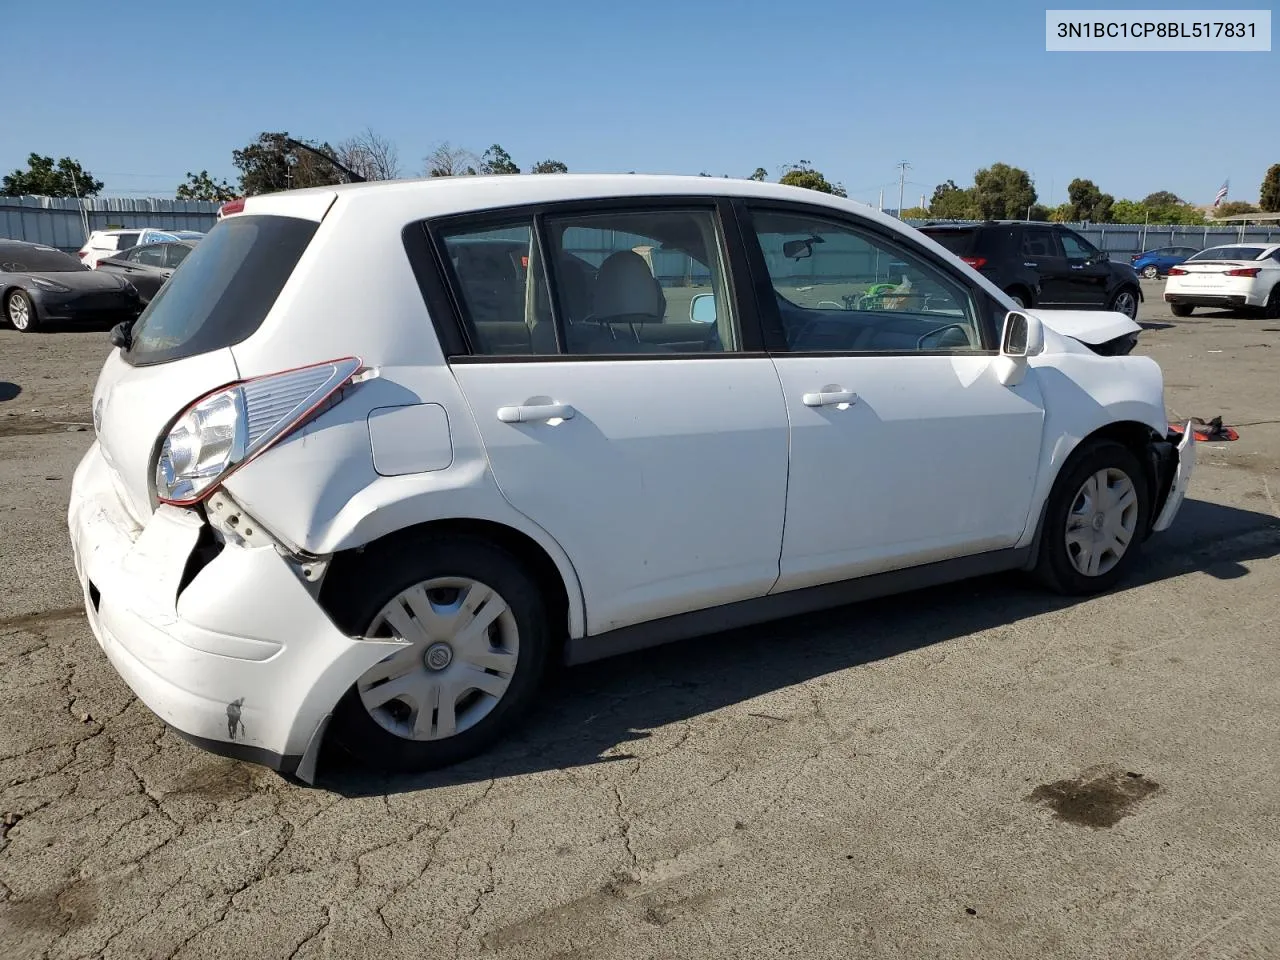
x: 24, y: 259
x: 1229, y: 253
x: 223, y: 292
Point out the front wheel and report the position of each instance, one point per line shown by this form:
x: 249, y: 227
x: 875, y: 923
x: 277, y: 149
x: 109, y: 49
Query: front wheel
x: 1125, y: 301
x: 21, y: 312
x: 476, y: 637
x: 1095, y: 521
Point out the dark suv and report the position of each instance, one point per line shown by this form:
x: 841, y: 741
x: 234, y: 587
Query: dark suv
x: 1042, y: 264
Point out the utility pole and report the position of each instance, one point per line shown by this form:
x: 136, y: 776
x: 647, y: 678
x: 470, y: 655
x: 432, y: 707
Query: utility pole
x: 903, y: 167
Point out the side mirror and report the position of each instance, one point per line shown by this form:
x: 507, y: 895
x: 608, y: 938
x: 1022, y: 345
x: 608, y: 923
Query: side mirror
x: 122, y: 335
x: 1023, y: 337
x: 1101, y: 256
x: 702, y: 308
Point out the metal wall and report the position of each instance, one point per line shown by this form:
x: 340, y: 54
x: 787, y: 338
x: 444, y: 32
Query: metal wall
x: 60, y: 221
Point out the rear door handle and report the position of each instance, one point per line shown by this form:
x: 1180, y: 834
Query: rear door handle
x: 829, y: 397
x: 533, y: 413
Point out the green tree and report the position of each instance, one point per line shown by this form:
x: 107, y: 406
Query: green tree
x: 950, y: 202
x: 1088, y: 202
x: 1061, y: 213
x: 271, y: 163
x: 497, y: 160
x: 760, y: 175
x: 44, y: 178
x: 1269, y: 195
x: 1003, y: 192
x: 548, y: 166
x: 201, y: 186
x: 915, y: 213
x: 1234, y: 208
x: 803, y: 175
x: 1128, y: 211
x: 1161, y: 198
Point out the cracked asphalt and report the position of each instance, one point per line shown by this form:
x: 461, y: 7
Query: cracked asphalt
x: 980, y: 771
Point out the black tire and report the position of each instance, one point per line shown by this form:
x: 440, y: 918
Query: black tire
x: 1054, y: 567
x: 18, y: 304
x: 1020, y: 295
x: 1272, y: 310
x: 1181, y: 309
x: 387, y: 569
x: 1118, y: 299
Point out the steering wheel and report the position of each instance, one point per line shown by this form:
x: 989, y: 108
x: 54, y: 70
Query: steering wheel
x: 937, y: 330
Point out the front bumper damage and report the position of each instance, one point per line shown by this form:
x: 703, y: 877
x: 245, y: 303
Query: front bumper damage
x: 255, y: 679
x: 1173, y: 461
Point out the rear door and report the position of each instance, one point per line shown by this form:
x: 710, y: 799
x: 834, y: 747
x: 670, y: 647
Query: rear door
x: 651, y: 446
x: 1040, y: 249
x: 905, y: 448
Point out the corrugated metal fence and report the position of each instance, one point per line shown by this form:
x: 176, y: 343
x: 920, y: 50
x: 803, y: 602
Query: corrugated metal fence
x: 62, y: 221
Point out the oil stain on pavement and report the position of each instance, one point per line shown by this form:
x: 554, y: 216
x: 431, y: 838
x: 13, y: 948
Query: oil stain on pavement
x: 1100, y: 797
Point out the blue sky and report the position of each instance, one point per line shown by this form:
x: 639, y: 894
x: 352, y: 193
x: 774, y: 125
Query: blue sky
x: 656, y: 87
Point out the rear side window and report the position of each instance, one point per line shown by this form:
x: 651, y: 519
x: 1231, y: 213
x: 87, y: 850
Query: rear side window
x: 121, y: 241
x: 959, y: 242
x: 224, y: 291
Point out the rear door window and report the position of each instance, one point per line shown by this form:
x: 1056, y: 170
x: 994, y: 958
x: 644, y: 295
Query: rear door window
x: 229, y: 284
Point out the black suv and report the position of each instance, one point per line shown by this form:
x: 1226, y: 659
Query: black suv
x: 1042, y: 264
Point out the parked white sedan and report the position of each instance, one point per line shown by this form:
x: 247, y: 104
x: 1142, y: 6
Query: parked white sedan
x: 1233, y: 277
x: 378, y: 452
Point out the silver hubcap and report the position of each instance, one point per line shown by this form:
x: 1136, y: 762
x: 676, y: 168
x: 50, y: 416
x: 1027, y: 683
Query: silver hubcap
x: 19, y: 313
x: 1102, y: 522
x: 1126, y: 304
x: 1017, y: 300
x: 1150, y: 273
x: 461, y: 647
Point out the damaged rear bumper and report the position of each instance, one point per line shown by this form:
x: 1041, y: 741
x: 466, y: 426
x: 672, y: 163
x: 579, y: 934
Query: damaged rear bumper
x: 226, y: 644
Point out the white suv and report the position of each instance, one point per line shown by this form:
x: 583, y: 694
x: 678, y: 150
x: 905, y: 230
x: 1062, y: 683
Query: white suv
x: 107, y: 243
x: 379, y: 452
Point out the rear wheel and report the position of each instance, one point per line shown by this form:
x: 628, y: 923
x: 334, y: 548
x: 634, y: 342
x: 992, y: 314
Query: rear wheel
x: 1021, y: 299
x: 475, y: 634
x: 1181, y: 309
x: 1095, y: 520
x: 1151, y: 271
x: 21, y: 312
x: 1272, y: 310
x: 1125, y: 301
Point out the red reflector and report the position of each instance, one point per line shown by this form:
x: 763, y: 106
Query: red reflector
x: 976, y: 262
x: 231, y: 206
x: 1177, y: 272
x: 524, y: 262
x: 1244, y: 272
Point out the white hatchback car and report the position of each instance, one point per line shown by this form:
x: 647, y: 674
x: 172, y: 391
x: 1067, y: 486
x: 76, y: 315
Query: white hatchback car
x: 377, y: 453
x: 1235, y: 276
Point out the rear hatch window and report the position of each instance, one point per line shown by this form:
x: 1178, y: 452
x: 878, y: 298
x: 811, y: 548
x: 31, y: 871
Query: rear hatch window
x: 224, y: 290
x: 959, y: 242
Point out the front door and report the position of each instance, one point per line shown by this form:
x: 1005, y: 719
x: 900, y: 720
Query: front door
x: 1088, y: 271
x: 651, y: 445
x: 905, y: 448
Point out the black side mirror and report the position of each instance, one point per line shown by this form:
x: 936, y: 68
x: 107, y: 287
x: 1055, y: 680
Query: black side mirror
x: 122, y: 335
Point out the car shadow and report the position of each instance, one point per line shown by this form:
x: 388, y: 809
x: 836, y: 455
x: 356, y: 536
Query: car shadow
x: 599, y: 708
x: 1155, y: 324
x: 8, y: 390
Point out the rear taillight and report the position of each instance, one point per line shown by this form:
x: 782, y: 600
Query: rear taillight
x: 1177, y: 272
x: 83, y: 254
x: 1244, y: 272
x: 976, y: 262
x: 226, y: 429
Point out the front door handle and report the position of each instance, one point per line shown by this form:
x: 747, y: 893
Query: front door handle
x: 828, y: 396
x: 535, y: 412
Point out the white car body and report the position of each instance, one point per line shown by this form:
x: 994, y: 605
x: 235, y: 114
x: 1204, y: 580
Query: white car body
x: 107, y: 243
x: 1220, y: 277
x: 665, y: 497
